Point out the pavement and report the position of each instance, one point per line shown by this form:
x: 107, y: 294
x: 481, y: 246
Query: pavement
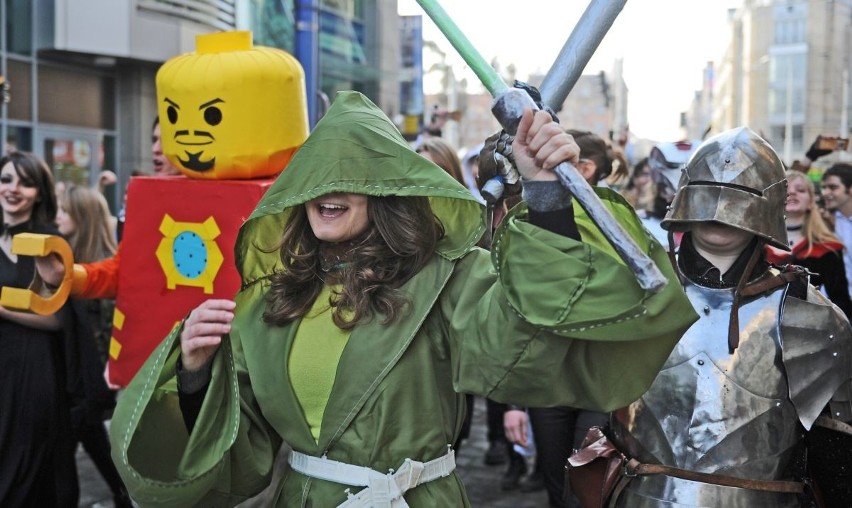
x: 482, y: 482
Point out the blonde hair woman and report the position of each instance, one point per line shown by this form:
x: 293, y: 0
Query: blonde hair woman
x: 813, y: 245
x: 84, y: 219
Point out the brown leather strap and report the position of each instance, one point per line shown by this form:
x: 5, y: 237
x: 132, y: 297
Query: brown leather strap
x: 734, y: 322
x: 831, y: 423
x: 634, y: 467
x: 769, y: 283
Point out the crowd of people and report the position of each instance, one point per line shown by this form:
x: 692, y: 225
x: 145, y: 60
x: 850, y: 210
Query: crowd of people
x: 372, y: 313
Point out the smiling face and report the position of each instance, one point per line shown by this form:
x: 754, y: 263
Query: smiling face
x: 17, y: 196
x: 836, y: 195
x: 338, y: 217
x: 799, y: 199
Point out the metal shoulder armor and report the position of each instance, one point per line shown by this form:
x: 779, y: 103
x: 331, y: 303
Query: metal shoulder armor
x: 816, y: 343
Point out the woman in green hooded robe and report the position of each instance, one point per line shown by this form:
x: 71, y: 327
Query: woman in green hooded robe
x: 366, y: 311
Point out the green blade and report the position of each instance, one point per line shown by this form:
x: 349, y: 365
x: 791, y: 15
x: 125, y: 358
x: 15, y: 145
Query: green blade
x: 483, y: 70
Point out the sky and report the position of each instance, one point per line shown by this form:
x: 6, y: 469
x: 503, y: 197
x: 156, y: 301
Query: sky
x: 665, y: 45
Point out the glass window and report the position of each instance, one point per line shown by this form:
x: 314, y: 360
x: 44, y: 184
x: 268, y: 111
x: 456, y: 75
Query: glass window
x: 19, y: 14
x: 70, y: 159
x: 20, y: 89
x: 19, y: 139
x: 776, y: 138
x: 76, y: 98
x: 273, y: 23
x: 341, y: 38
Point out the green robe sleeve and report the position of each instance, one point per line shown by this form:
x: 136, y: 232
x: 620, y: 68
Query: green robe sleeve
x: 565, y: 323
x: 227, y: 458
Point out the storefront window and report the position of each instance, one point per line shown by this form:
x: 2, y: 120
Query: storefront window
x: 76, y: 98
x: 19, y: 24
x: 20, y: 89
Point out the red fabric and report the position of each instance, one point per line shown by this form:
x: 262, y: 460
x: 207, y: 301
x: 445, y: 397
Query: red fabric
x: 800, y: 251
x: 102, y: 277
x: 148, y: 306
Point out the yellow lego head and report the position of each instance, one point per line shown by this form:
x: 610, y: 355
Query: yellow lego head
x: 231, y: 110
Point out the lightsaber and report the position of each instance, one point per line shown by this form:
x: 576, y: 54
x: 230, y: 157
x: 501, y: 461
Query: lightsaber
x: 508, y: 107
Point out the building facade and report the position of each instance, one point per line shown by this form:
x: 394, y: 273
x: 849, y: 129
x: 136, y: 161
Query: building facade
x: 80, y: 74
x: 786, y: 73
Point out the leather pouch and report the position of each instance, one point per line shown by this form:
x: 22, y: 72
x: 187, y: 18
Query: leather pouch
x: 593, y: 471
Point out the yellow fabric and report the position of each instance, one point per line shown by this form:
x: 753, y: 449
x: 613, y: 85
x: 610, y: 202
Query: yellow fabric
x: 313, y: 360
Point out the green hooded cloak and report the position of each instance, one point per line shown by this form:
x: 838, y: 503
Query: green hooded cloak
x: 542, y: 320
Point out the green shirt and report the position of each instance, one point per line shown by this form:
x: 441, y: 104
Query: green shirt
x: 313, y: 360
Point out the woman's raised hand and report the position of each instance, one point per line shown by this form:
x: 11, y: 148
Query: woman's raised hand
x: 540, y: 145
x: 203, y: 330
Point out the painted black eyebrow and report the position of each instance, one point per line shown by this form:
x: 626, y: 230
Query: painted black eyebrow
x: 210, y: 103
x: 171, y: 102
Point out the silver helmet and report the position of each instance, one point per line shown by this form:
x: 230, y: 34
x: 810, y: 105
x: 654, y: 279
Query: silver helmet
x: 666, y: 161
x: 734, y: 178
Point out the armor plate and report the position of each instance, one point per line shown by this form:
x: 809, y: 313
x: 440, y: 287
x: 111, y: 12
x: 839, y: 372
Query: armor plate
x: 715, y: 412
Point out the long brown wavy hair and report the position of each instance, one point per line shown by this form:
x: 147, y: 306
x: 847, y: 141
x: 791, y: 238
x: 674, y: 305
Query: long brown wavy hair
x: 401, y: 238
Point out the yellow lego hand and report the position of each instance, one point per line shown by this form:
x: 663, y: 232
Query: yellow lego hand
x: 29, y: 300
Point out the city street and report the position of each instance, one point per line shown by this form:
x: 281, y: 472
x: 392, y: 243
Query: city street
x: 482, y: 482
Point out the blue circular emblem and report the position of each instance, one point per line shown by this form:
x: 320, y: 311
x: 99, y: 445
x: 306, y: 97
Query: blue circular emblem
x: 190, y: 254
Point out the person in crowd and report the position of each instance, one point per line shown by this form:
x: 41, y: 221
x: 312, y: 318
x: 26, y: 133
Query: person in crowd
x: 560, y: 430
x: 162, y: 165
x: 517, y: 433
x: 499, y: 450
x: 666, y: 161
x: 442, y: 154
x: 837, y: 196
x: 83, y: 219
x: 598, y: 160
x: 739, y: 415
x: 366, y: 312
x: 640, y: 190
x: 33, y: 407
x: 470, y: 170
x: 812, y: 244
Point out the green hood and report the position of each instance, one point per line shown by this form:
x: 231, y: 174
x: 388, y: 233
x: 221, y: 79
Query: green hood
x: 356, y: 148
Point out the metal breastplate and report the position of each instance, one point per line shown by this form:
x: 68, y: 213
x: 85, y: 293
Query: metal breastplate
x: 715, y: 412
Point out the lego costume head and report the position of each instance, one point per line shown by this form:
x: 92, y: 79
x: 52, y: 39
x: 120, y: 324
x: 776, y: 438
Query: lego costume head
x: 734, y: 178
x: 231, y: 110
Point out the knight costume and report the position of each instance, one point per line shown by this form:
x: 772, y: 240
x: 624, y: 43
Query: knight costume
x: 730, y: 419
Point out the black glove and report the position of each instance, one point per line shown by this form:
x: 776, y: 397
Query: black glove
x: 814, y: 152
x: 498, y: 177
x: 536, y: 97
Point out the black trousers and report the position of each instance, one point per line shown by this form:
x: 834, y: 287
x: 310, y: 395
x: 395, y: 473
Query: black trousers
x: 557, y: 431
x: 494, y: 421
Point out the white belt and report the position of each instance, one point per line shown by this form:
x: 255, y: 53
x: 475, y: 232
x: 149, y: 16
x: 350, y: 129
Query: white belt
x: 383, y: 490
